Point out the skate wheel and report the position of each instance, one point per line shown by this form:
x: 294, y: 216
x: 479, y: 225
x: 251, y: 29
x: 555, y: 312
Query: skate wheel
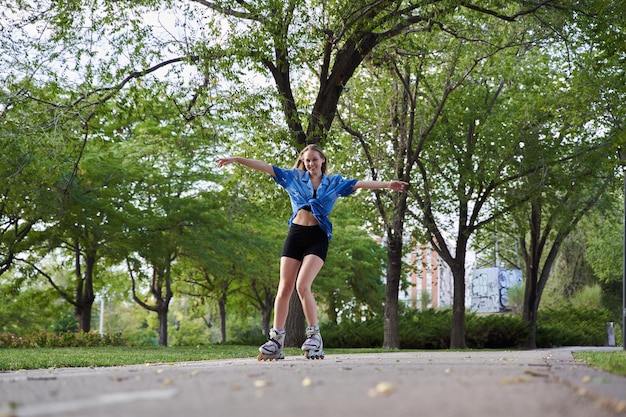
x: 310, y: 355
x: 264, y: 358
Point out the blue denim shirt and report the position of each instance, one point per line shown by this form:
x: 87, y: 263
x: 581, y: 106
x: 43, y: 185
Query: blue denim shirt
x: 298, y: 185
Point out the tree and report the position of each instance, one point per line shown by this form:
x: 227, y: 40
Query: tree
x: 230, y: 258
x: 286, y: 41
x: 37, y: 162
x: 440, y: 104
x: 167, y: 206
x: 604, y: 249
x: 27, y: 306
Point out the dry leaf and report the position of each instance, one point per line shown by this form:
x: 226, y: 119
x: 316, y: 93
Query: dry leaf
x: 382, y: 389
x: 261, y: 383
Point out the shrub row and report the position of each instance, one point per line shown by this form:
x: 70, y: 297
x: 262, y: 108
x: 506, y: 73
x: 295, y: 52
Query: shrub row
x: 66, y: 339
x: 430, y: 329
x: 572, y: 327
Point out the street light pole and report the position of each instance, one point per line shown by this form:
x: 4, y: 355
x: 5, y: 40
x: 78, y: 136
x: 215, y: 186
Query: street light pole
x: 622, y: 156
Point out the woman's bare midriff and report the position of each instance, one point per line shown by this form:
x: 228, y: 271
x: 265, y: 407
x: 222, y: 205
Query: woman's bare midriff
x: 305, y: 218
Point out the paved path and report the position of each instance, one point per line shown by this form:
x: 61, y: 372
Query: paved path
x: 538, y: 383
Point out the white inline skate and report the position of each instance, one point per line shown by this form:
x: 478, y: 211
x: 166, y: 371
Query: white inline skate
x: 273, y: 348
x: 313, y: 345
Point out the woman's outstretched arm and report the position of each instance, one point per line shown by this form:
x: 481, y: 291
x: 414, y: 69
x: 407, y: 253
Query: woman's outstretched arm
x: 394, y: 185
x: 250, y: 163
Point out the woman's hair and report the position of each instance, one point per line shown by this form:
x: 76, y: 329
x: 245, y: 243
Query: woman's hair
x: 300, y: 163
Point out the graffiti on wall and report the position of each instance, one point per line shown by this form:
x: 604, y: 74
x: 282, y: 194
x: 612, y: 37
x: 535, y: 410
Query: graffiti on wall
x: 508, y: 278
x: 490, y: 289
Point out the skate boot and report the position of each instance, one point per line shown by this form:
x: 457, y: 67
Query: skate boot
x: 313, y: 345
x: 273, y: 348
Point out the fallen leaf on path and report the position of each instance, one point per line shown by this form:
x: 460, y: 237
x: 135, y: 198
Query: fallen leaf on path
x: 514, y: 380
x: 261, y: 383
x: 383, y: 389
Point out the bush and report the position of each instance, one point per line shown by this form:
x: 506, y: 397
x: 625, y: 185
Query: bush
x: 572, y: 327
x: 496, y: 331
x: 428, y: 329
x: 251, y: 336
x: 363, y: 334
x: 66, y: 339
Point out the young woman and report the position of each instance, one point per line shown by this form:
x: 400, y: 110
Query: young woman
x: 313, y: 194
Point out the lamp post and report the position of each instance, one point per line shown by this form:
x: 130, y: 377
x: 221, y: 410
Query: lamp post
x: 622, y: 157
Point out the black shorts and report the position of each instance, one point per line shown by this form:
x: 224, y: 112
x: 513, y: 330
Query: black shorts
x: 305, y: 240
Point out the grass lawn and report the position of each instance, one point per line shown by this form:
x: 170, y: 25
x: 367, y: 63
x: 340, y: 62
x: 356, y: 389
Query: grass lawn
x: 614, y: 362
x: 37, y: 358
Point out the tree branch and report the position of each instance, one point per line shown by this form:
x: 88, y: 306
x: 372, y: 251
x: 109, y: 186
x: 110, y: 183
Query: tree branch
x: 508, y: 18
x: 41, y: 272
x: 231, y: 12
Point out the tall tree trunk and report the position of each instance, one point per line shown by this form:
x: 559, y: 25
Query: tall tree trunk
x: 457, y: 333
x: 82, y: 312
x: 534, y: 252
x: 266, y: 317
x: 162, y: 312
x: 162, y: 292
x: 395, y: 236
x: 84, y: 287
x: 222, y: 306
x: 391, y: 335
x: 333, y: 317
x: 295, y: 325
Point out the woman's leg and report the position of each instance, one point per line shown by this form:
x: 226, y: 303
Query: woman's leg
x: 288, y: 271
x: 311, y: 266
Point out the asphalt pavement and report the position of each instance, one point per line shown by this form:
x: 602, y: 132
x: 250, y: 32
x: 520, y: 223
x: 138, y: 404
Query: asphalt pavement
x: 431, y: 383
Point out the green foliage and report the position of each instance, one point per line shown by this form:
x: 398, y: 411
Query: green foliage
x: 346, y: 334
x: 65, y: 339
x: 66, y: 323
x: 516, y: 298
x: 496, y: 331
x: 430, y: 329
x: 613, y: 362
x: 604, y: 241
x: 572, y: 327
x: 589, y: 297
x: 243, y: 332
x: 26, y: 306
x: 427, y: 329
x: 117, y: 178
x: 14, y: 359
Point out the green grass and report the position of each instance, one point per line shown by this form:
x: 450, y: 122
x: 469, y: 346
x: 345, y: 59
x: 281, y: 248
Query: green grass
x: 37, y: 358
x: 613, y: 362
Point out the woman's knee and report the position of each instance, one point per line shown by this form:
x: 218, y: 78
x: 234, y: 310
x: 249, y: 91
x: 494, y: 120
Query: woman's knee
x: 284, y: 292
x: 303, y: 290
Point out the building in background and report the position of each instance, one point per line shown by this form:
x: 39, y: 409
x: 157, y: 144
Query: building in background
x: 430, y: 279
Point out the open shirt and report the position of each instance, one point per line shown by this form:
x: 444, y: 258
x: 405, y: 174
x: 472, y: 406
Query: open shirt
x: 298, y: 185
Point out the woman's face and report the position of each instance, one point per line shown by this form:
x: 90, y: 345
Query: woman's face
x: 313, y: 162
